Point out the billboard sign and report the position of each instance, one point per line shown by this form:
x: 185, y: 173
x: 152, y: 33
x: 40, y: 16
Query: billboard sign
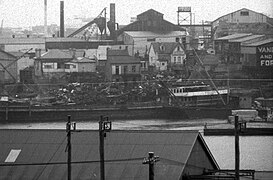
x: 265, y: 56
x: 184, y: 9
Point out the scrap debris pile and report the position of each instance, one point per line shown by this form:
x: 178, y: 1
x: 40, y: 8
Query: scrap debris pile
x: 111, y: 93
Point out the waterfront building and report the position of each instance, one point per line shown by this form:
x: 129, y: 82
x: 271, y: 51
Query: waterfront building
x: 121, y: 67
x: 242, y: 21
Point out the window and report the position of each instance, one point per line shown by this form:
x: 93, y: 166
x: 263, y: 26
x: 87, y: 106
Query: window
x: 179, y: 60
x: 125, y: 69
x: 143, y: 65
x: 174, y: 59
x: 162, y: 48
x: 133, y: 68
x: 117, y: 70
x: 58, y: 66
x: 178, y: 48
x: 163, y: 64
x: 244, y: 13
x: 151, y: 39
x: 177, y: 39
x: 48, y: 66
x: 67, y: 66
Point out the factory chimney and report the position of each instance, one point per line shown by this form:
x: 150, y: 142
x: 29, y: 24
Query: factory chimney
x: 45, y: 20
x: 62, y: 19
x: 112, y: 22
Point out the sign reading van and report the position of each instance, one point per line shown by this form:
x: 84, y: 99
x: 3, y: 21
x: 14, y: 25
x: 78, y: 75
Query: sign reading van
x: 265, y: 56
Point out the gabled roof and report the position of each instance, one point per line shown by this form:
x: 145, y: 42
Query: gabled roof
x: 165, y: 47
x: 243, y: 9
x: 56, y: 54
x: 150, y: 10
x: 124, y: 152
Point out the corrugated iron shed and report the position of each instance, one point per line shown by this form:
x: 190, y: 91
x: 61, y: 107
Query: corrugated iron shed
x: 179, y: 152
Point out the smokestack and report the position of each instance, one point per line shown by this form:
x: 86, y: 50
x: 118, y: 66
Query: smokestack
x: 112, y: 25
x: 45, y: 20
x: 113, y: 13
x: 61, y: 19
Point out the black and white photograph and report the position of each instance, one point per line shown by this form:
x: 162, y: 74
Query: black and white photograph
x: 136, y: 90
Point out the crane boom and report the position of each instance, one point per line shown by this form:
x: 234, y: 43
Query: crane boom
x: 87, y: 25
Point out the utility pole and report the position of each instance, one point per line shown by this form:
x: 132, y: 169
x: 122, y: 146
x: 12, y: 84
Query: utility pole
x: 237, y: 149
x: 104, y: 126
x: 68, y: 146
x: 151, y: 161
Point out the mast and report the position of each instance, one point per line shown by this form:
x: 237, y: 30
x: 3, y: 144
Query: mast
x: 214, y: 86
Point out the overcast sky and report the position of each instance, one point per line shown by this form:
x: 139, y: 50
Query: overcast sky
x: 31, y: 12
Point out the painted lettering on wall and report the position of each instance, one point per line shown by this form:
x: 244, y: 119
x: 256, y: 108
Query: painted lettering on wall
x: 265, y: 56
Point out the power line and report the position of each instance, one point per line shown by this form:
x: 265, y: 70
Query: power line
x: 50, y: 158
x: 75, y: 162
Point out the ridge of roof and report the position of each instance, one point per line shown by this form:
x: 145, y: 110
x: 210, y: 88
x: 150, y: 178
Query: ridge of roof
x: 238, y: 11
x: 149, y: 11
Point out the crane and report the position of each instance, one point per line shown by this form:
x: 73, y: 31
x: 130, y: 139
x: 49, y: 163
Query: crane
x: 99, y: 20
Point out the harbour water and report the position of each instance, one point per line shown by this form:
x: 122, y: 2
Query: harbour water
x: 256, y: 152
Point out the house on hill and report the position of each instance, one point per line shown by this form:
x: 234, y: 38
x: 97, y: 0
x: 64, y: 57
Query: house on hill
x: 121, y: 67
x: 55, y: 64
x: 41, y: 154
x: 167, y: 54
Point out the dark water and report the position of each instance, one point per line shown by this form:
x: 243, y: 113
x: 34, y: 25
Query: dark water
x: 256, y: 152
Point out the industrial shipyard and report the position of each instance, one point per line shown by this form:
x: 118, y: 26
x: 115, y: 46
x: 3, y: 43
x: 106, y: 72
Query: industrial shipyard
x: 89, y: 97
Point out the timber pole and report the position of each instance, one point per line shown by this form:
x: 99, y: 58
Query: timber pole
x: 237, y: 150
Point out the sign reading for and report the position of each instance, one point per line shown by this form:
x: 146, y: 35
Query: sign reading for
x: 265, y: 56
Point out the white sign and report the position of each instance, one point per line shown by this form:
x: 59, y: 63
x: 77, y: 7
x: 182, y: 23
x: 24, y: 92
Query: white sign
x: 4, y: 98
x: 184, y: 9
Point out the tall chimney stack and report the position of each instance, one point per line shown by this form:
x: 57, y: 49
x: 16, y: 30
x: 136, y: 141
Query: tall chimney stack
x: 45, y: 20
x: 62, y: 19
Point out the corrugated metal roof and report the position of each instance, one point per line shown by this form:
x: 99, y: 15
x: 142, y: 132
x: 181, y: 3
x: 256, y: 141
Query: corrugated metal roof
x: 266, y: 41
x: 56, y: 54
x: 9, y: 41
x: 123, y: 60
x: 126, y: 148
x: 149, y: 34
x: 234, y: 36
x: 247, y: 38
